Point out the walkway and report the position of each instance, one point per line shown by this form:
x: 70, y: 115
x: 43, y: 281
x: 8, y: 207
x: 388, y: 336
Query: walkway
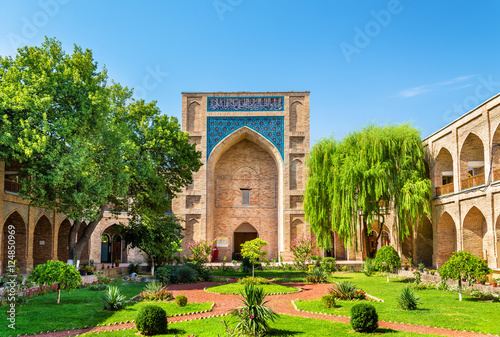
x: 280, y: 303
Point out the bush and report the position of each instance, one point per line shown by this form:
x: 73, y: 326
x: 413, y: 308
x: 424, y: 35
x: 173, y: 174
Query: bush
x: 113, y: 299
x: 407, y: 299
x: 364, y: 317
x: 253, y: 280
x: 318, y: 275
x: 181, y: 300
x: 162, y: 274
x: 246, y: 266
x: 204, y: 274
x: 329, y: 264
x: 134, y: 267
x: 159, y: 295
x: 346, y: 290
x: 369, y: 267
x: 151, y: 320
x: 183, y: 274
x: 97, y: 287
x: 154, y: 286
x: 302, y: 248
x: 253, y: 316
x: 328, y: 301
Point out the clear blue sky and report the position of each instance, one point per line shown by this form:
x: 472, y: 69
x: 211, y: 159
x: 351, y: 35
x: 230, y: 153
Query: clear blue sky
x: 363, y: 61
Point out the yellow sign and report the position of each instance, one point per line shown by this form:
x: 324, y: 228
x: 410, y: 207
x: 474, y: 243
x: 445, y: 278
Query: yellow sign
x: 223, y: 241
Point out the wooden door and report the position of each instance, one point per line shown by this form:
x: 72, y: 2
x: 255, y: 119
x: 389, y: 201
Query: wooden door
x: 241, y: 238
x: 117, y: 251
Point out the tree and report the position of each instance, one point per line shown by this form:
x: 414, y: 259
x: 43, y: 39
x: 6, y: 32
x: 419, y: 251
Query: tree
x: 65, y: 276
x: 387, y: 258
x: 463, y: 265
x: 82, y: 144
x: 365, y: 174
x: 302, y: 249
x: 159, y: 237
x: 253, y: 251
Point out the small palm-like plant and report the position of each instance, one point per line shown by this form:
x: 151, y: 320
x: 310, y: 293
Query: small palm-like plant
x: 408, y: 300
x: 154, y: 286
x: 253, y: 315
x: 346, y: 287
x: 318, y: 275
x: 113, y: 299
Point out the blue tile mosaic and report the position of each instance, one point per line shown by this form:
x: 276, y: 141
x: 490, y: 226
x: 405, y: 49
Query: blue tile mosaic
x: 272, y: 103
x: 270, y: 127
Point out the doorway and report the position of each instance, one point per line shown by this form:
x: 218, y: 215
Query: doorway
x: 245, y: 232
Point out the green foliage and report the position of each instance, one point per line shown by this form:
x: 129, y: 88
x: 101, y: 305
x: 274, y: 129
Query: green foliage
x: 253, y: 251
x: 317, y: 275
x: 387, y: 258
x: 328, y: 301
x: 463, y: 265
x: 113, y: 299
x: 156, y: 295
x: 151, y: 320
x: 329, y: 264
x: 204, y: 273
x: 98, y: 287
x: 183, y: 274
x: 369, y: 267
x: 181, y: 300
x: 154, y: 286
x: 84, y: 144
x: 407, y: 299
x: 418, y: 276
x: 201, y: 251
x: 364, y: 318
x: 66, y: 276
x: 346, y: 290
x: 134, y: 267
x: 253, y: 280
x: 246, y: 266
x: 254, y: 315
x: 377, y: 164
x: 301, y: 248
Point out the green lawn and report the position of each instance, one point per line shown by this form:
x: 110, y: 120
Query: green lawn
x: 236, y: 288
x: 438, y: 308
x: 263, y: 273
x: 82, y: 307
x: 284, y: 326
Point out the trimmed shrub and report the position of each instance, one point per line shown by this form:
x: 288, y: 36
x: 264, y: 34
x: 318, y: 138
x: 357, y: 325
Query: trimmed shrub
x: 328, y: 301
x: 181, y: 300
x: 253, y: 280
x: 407, y: 299
x: 151, y: 320
x: 329, y: 264
x: 364, y: 318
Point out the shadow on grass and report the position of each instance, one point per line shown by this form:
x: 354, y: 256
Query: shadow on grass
x: 284, y: 332
x: 342, y: 277
x: 176, y: 332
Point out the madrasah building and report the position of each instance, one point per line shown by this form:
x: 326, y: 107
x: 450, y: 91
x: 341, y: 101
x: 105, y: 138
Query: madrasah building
x: 254, y: 149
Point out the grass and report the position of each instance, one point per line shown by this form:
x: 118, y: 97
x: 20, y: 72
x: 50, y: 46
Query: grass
x: 438, y: 308
x: 236, y: 288
x: 81, y: 307
x: 263, y: 273
x: 284, y: 326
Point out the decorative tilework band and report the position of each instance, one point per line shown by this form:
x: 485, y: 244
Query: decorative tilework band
x: 270, y: 127
x: 272, y: 103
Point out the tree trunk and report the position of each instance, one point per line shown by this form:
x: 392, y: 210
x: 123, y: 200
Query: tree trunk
x: 253, y: 270
x: 58, y: 296
x: 460, y: 289
x: 78, y: 244
x: 387, y: 274
x: 152, y: 265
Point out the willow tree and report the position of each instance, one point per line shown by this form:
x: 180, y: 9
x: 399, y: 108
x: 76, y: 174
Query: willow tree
x: 365, y: 174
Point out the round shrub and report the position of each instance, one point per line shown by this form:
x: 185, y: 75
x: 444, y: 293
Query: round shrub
x: 151, y: 320
x: 328, y: 301
x: 181, y: 300
x: 364, y: 317
x: 184, y: 274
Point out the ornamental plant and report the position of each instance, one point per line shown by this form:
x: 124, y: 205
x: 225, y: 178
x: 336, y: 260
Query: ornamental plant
x: 302, y: 249
x: 253, y: 251
x: 346, y: 290
x: 387, y: 258
x: 364, y: 318
x: 151, y: 320
x: 463, y: 265
x: 65, y: 276
x: 157, y: 295
x: 253, y: 280
x: 317, y: 275
x: 201, y: 251
x: 181, y: 300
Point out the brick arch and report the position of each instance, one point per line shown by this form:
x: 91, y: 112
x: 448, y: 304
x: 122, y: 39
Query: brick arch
x: 194, y: 116
x: 447, y: 238
x: 240, y: 172
x: 44, y: 214
x: 472, y: 150
x: 474, y: 232
x: 84, y: 256
x: 495, y: 161
x: 189, y: 230
x: 296, y: 229
x: 296, y: 174
x: 42, y: 234
x: 497, y: 241
x: 443, y: 163
x: 16, y: 220
x: 244, y: 133
x: 424, y: 242
x: 295, y: 116
x: 63, y: 240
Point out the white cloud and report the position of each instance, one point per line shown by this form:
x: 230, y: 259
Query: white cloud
x: 434, y: 86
